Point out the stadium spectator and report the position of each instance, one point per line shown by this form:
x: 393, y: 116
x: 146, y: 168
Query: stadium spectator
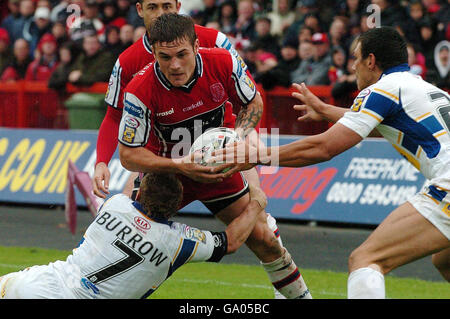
x: 305, y: 34
x: 83, y: 275
x: 13, y: 22
x: 67, y: 55
x: 18, y: 67
x: 264, y: 39
x: 429, y: 40
x: 92, y: 65
x: 305, y: 51
x: 281, y: 17
x: 112, y: 41
x: 390, y: 11
x: 171, y: 34
x: 139, y: 32
x: 110, y: 14
x: 416, y: 61
x: 6, y: 55
x: 245, y: 22
x: 440, y: 74
x: 126, y: 35
x: 303, y: 9
x: 338, y: 32
x: 27, y: 8
x: 345, y: 87
x: 279, y: 75
x: 389, y: 97
x: 39, y: 26
x: 314, y: 71
x: 87, y: 23
x: 337, y: 68
x: 60, y: 11
x: 227, y: 17
x: 59, y: 31
x: 210, y: 11
x: 42, y: 67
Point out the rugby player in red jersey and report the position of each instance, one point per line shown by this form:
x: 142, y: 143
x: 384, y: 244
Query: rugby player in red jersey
x: 185, y: 91
x: 131, y: 61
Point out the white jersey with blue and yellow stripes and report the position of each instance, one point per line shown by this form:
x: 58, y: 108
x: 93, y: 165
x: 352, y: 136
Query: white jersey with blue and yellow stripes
x: 413, y: 115
x: 125, y: 254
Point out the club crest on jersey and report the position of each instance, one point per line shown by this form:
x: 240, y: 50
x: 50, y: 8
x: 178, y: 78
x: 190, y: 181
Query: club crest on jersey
x: 217, y: 92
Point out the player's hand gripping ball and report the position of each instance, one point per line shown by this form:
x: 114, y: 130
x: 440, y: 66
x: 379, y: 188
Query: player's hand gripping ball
x: 212, y: 140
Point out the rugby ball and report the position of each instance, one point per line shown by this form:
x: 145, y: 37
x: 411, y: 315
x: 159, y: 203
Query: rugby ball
x: 212, y: 140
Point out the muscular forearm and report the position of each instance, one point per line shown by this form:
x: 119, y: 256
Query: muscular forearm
x: 140, y: 159
x: 333, y: 113
x: 249, y: 116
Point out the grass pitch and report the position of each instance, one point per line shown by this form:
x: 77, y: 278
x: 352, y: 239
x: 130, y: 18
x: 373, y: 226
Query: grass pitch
x: 233, y: 281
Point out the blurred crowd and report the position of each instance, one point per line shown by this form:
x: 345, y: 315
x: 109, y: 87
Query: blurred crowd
x: 282, y: 41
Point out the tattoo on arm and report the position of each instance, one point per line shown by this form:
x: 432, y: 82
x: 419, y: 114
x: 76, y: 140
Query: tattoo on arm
x: 248, y: 118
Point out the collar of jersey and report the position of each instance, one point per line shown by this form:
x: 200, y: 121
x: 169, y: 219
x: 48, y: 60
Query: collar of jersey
x: 398, y: 68
x: 146, y: 42
x: 198, y: 72
x: 160, y: 220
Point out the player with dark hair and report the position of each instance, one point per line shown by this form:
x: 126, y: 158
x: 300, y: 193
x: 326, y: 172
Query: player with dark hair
x: 131, y: 248
x: 171, y: 101
x: 413, y: 116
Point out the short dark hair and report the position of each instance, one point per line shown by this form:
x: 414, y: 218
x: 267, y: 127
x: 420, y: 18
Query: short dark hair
x: 160, y: 194
x: 386, y: 44
x: 170, y: 27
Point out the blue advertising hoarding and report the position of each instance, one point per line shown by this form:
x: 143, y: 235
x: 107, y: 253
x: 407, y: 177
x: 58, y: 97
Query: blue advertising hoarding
x: 361, y: 185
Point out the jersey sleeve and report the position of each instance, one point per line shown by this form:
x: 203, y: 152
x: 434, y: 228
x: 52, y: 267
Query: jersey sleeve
x: 197, y: 245
x: 135, y: 124
x: 114, y: 91
x: 242, y: 86
x: 370, y: 108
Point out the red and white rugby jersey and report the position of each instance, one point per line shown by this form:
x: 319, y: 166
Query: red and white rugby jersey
x: 138, y: 55
x: 159, y: 116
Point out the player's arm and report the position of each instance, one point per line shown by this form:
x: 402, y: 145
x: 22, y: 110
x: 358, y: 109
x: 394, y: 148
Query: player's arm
x: 249, y: 116
x: 106, y: 146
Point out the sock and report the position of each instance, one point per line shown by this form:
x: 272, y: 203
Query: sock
x: 272, y: 223
x: 365, y: 283
x: 286, y: 278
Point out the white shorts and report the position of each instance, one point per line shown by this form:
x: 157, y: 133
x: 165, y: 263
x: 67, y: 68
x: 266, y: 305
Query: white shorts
x: 37, y: 282
x: 434, y: 210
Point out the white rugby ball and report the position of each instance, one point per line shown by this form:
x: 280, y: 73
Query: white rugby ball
x: 212, y: 140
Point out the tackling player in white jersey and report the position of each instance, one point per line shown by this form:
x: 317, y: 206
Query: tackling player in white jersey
x: 411, y: 114
x: 131, y: 248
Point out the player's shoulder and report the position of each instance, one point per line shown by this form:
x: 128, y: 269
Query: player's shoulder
x: 116, y: 202
x: 143, y: 77
x: 209, y: 34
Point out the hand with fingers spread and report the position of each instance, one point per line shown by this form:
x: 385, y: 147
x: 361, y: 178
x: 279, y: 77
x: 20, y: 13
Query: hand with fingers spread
x: 313, y: 107
x: 100, y: 180
x: 239, y: 156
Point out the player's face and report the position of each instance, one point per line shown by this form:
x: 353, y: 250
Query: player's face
x: 150, y: 10
x: 364, y: 75
x: 176, y: 60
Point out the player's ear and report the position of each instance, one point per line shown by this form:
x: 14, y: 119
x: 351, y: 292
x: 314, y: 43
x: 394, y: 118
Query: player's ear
x: 139, y: 9
x: 372, y: 61
x: 196, y: 46
x: 178, y: 6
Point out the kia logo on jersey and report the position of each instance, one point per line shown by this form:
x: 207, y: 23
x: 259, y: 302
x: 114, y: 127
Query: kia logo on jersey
x: 142, y: 223
x: 217, y: 91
